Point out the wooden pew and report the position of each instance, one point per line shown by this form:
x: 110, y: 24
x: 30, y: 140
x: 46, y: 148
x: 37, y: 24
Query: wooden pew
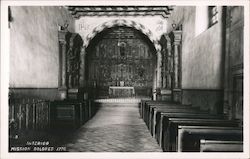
x: 171, y: 128
x: 220, y: 146
x: 189, y: 136
x: 142, y: 105
x: 180, y: 108
x: 145, y: 105
x: 149, y: 106
x: 162, y: 117
x: 146, y: 111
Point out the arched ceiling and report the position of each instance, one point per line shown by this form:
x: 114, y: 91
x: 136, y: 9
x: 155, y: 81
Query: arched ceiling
x: 123, y: 22
x: 150, y: 20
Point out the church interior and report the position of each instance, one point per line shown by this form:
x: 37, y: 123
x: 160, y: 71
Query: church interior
x: 126, y: 78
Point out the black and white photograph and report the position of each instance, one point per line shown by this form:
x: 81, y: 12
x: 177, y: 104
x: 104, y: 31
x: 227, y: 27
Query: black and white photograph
x: 156, y: 78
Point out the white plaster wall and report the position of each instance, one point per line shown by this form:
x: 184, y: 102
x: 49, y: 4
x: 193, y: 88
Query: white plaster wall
x: 202, y: 57
x: 156, y: 24
x: 34, y: 54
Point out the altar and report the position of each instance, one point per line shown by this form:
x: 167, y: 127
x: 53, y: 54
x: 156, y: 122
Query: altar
x: 121, y: 91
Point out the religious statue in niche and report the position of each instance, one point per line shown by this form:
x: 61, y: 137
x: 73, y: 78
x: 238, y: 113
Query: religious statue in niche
x: 141, y: 72
x: 122, y: 46
x: 105, y: 72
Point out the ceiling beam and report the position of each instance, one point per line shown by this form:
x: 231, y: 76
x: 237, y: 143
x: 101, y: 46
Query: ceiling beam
x: 79, y: 11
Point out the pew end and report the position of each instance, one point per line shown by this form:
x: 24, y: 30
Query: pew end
x: 189, y: 136
x: 220, y: 146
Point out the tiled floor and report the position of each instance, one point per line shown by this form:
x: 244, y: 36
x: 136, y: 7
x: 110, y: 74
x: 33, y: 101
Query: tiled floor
x: 116, y: 127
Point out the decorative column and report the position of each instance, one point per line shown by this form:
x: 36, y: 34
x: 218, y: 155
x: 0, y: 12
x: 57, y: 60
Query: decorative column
x: 159, y: 75
x: 169, y: 65
x: 85, y: 91
x: 82, y: 79
x: 164, y: 66
x: 158, y: 79
x: 73, y: 66
x: 165, y: 90
x: 159, y: 66
x: 177, y: 66
x: 64, y: 70
x: 69, y: 61
x: 177, y: 42
x: 62, y: 87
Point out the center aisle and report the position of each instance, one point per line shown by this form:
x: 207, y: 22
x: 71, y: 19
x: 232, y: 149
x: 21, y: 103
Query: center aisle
x: 117, y: 127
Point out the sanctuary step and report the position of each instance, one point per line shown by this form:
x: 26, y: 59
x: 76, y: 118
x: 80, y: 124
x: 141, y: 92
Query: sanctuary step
x: 119, y: 100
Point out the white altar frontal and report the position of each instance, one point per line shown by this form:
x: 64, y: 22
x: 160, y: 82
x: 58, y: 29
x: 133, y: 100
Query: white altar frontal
x: 121, y: 91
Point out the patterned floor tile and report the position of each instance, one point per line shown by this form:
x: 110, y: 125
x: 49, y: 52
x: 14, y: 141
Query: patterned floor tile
x: 114, y: 129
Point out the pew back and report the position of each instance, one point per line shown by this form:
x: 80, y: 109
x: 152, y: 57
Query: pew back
x: 189, y: 136
x: 155, y: 110
x: 221, y: 146
x: 171, y: 128
x: 162, y: 121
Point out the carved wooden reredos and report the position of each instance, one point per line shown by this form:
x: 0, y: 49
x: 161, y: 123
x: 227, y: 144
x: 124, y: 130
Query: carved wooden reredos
x: 121, y: 23
x: 73, y: 50
x: 120, y: 54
